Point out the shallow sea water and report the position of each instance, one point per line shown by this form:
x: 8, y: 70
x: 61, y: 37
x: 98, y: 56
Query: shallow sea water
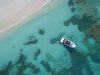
x: 34, y: 49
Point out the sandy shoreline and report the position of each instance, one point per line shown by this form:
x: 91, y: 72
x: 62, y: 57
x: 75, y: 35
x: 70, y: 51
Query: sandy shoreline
x: 31, y: 8
x: 19, y: 16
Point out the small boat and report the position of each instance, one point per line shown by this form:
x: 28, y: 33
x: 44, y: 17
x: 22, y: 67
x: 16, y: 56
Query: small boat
x: 67, y: 42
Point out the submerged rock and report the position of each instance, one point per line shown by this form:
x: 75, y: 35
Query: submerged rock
x: 31, y: 37
x: 35, y: 70
x: 20, y: 71
x: 46, y: 65
x: 71, y: 3
x: 74, y: 20
x: 41, y: 31
x: 22, y: 59
x: 84, y: 22
x: 6, y: 70
x: 37, y: 53
x: 50, y: 57
x: 21, y: 65
x: 94, y: 32
x: 73, y: 9
x: 53, y: 40
x: 66, y: 23
x: 31, y: 42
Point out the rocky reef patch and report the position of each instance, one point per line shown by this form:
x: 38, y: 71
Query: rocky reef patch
x: 94, y: 32
x: 41, y: 31
x: 31, y: 40
x: 86, y: 18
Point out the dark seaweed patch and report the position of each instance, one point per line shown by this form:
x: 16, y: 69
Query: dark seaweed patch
x: 73, y: 9
x: 31, y: 42
x: 6, y: 70
x: 84, y: 23
x: 46, y: 65
x: 71, y: 3
x: 37, y: 53
x: 21, y: 63
x: 53, y: 40
x: 66, y: 23
x: 20, y: 70
x: 35, y: 70
x: 74, y: 20
x: 31, y: 37
x: 22, y: 66
x: 21, y: 59
x: 41, y: 31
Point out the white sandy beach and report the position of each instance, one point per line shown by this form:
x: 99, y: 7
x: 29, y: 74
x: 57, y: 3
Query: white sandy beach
x: 14, y: 12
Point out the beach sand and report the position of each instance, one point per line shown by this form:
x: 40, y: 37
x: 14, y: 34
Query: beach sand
x: 17, y: 12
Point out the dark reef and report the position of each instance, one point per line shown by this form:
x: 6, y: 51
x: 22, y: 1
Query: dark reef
x: 73, y: 9
x: 37, y: 53
x: 84, y: 23
x: 53, y: 40
x: 22, y: 58
x: 41, y: 31
x: 22, y: 65
x: 35, y: 70
x: 94, y: 33
x: 71, y: 3
x: 6, y: 70
x: 46, y: 65
x: 31, y: 40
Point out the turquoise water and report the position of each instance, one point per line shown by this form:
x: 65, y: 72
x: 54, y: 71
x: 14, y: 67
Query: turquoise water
x: 34, y: 48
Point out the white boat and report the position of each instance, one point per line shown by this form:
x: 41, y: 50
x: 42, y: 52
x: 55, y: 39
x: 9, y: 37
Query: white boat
x: 67, y: 42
